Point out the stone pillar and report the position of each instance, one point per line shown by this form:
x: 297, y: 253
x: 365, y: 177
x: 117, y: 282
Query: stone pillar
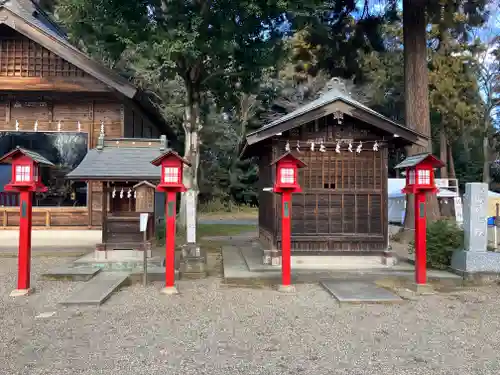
x: 475, y: 258
x: 193, y: 262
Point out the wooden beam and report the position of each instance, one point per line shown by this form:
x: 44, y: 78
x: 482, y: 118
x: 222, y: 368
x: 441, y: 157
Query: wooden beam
x: 65, y: 84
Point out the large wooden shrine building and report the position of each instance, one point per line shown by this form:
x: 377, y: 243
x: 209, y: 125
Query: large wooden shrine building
x: 57, y: 101
x: 343, y: 206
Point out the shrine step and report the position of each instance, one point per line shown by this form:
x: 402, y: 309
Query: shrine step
x: 71, y: 273
x: 98, y: 289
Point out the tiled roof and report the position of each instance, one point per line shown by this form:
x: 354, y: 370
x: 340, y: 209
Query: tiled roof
x: 412, y: 161
x: 35, y: 156
x: 118, y: 163
x: 330, y: 96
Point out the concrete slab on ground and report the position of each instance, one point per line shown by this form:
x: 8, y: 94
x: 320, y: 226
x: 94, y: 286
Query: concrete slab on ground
x: 67, y: 241
x: 236, y: 271
x: 98, y: 289
x: 72, y: 273
x: 359, y: 292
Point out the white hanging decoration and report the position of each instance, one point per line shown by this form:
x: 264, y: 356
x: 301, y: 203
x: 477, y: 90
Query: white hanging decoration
x: 113, y: 194
x: 121, y: 193
x: 287, y: 146
x: 17, y: 126
x: 79, y: 126
x: 35, y: 128
x: 129, y: 193
x: 375, y: 146
x: 135, y: 194
x: 102, y: 127
x: 360, y: 146
x: 312, y: 146
x: 339, y: 116
x: 337, y: 148
x: 298, y: 146
x: 322, y: 147
x: 350, y: 146
x: 59, y: 125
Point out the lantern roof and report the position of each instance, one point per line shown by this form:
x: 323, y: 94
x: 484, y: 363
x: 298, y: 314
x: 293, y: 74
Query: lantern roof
x: 144, y: 183
x: 291, y: 157
x: 10, y: 156
x: 157, y: 161
x: 414, y: 160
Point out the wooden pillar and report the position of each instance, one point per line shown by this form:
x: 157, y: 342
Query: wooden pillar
x: 104, y: 207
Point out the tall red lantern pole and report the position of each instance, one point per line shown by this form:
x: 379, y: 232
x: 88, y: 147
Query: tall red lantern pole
x: 286, y: 266
x: 419, y: 181
x: 420, y: 239
x: 171, y: 183
x: 286, y: 183
x: 170, y: 211
x: 25, y: 180
x: 25, y: 225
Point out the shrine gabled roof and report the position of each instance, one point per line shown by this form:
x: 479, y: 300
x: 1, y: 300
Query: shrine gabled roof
x: 27, y: 18
x: 32, y: 154
x: 329, y: 102
x: 118, y: 163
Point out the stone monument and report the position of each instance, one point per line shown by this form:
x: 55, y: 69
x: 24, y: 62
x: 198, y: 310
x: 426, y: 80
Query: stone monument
x: 193, y: 262
x: 475, y: 258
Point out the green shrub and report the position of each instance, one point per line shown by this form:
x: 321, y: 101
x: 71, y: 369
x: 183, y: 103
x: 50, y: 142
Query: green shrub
x: 443, y: 237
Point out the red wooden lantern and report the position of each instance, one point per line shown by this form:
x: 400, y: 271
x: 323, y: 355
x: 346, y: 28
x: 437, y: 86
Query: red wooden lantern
x: 25, y: 170
x: 171, y: 183
x: 419, y: 181
x: 287, y: 173
x: 26, y: 179
x: 171, y: 171
x: 286, y: 183
x: 420, y: 173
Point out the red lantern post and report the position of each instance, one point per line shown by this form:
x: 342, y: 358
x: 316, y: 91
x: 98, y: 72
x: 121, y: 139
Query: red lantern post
x: 171, y: 183
x: 286, y: 183
x: 419, y: 181
x: 25, y: 180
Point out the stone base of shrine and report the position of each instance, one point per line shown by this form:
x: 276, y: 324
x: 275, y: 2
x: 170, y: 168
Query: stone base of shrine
x: 193, y: 262
x: 314, y: 261
x: 112, y: 252
x: 466, y: 262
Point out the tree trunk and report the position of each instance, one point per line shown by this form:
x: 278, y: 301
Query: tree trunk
x: 192, y: 128
x: 417, y: 114
x: 451, y: 162
x: 443, y: 150
x: 486, y: 162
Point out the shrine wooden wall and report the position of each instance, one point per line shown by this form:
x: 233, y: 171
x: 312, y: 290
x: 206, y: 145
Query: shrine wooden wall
x: 37, y: 86
x: 343, y: 206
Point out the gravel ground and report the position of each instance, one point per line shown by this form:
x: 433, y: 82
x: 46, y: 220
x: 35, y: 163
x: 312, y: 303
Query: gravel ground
x: 213, y: 329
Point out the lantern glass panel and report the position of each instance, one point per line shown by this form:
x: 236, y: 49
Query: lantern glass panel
x: 287, y: 175
x: 424, y: 177
x: 23, y: 173
x: 171, y: 175
x: 411, y: 177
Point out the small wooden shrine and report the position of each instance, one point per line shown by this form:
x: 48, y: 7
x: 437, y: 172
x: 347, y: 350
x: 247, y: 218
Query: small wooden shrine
x: 122, y: 167
x: 342, y: 208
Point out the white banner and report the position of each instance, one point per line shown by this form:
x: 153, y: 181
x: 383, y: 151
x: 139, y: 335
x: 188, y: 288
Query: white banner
x: 143, y: 223
x: 191, y: 216
x: 459, y: 214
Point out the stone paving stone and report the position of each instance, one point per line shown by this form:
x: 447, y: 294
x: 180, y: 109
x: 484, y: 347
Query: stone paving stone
x: 359, y: 292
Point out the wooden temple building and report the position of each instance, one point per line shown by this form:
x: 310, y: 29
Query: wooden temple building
x: 57, y: 101
x: 342, y: 209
